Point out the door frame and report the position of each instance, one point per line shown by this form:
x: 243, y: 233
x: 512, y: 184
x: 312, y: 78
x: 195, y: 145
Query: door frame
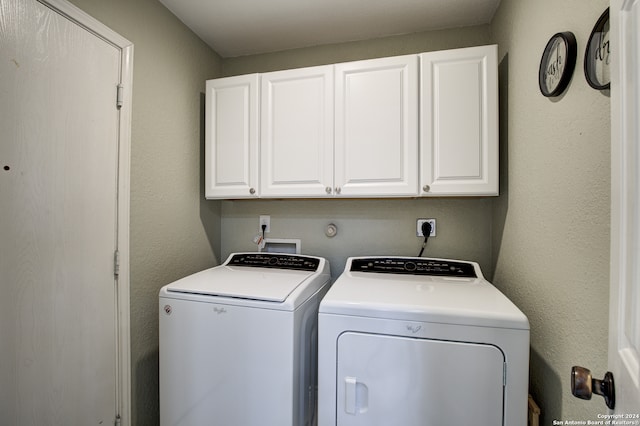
x: 123, y: 347
x: 623, y: 352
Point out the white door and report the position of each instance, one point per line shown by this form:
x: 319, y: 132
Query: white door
x: 296, y: 144
x: 390, y: 380
x: 231, y: 137
x: 624, y: 334
x: 376, y: 136
x: 459, y: 122
x: 59, y: 182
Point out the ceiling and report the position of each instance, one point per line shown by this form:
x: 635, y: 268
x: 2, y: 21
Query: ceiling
x: 246, y: 27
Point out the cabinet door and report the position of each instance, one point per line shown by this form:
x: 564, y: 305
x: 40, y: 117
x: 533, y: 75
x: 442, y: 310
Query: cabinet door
x: 296, y: 157
x: 231, y: 137
x: 377, y: 127
x: 459, y: 122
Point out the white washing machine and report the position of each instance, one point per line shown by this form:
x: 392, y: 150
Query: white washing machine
x: 420, y: 342
x: 238, y: 342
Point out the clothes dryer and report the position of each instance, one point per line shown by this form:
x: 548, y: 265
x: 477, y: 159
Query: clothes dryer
x: 238, y: 342
x: 420, y: 342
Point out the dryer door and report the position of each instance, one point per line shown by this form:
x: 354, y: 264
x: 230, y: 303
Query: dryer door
x: 385, y: 380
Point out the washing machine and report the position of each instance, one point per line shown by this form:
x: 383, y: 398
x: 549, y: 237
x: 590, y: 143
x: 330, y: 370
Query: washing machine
x: 238, y: 342
x: 420, y: 342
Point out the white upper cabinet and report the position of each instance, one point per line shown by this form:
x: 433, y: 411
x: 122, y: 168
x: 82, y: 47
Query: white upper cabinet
x: 404, y: 126
x: 376, y: 134
x: 296, y: 158
x: 231, y: 142
x: 459, y: 122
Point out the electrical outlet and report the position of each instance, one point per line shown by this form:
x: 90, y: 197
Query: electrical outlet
x: 419, y: 223
x: 265, y: 220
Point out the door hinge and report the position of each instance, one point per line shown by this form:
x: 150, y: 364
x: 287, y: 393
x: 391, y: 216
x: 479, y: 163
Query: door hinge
x: 116, y: 263
x: 504, y: 374
x: 119, y: 96
x: 118, y: 420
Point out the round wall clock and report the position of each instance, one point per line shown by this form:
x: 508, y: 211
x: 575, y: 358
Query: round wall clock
x: 596, y: 57
x: 557, y: 64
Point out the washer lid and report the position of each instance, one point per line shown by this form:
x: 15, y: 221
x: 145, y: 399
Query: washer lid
x: 272, y: 285
x: 421, y: 297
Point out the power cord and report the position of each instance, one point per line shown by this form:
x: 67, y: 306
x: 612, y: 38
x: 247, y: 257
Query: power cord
x: 426, y: 231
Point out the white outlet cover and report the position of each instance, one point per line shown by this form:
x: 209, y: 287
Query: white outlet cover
x: 419, y: 223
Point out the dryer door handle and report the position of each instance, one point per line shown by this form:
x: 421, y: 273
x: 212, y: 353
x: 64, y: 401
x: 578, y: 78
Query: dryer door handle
x: 356, y: 396
x: 350, y: 395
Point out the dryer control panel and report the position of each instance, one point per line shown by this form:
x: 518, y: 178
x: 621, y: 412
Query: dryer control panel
x: 275, y: 260
x: 413, y: 266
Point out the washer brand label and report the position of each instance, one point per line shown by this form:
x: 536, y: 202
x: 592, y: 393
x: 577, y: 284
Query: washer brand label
x: 167, y: 309
x: 219, y: 311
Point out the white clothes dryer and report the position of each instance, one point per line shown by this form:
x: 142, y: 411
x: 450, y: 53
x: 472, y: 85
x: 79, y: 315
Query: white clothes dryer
x: 420, y: 342
x: 238, y: 342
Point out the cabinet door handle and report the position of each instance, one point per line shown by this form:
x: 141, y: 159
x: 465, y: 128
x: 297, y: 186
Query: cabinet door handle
x: 252, y: 191
x: 338, y: 190
x: 328, y: 189
x: 426, y: 188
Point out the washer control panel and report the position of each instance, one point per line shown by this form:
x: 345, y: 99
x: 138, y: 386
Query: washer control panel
x: 275, y: 260
x: 413, y: 266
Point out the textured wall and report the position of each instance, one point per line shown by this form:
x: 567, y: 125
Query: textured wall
x: 365, y: 227
x: 551, y: 222
x: 173, y: 232
x: 356, y: 50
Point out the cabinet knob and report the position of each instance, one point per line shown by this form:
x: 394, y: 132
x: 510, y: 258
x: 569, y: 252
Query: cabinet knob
x: 583, y: 386
x: 426, y: 188
x: 252, y: 191
x: 338, y: 190
x: 328, y: 189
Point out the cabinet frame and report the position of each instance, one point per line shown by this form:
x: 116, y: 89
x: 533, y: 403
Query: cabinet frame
x: 296, y: 132
x: 459, y: 114
x: 377, y: 128
x: 231, y: 137
x: 310, y: 132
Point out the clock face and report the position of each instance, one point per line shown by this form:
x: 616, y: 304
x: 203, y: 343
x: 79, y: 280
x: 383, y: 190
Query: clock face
x: 596, y: 58
x: 557, y: 64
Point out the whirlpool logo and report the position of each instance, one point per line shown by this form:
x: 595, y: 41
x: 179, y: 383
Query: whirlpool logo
x: 414, y: 328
